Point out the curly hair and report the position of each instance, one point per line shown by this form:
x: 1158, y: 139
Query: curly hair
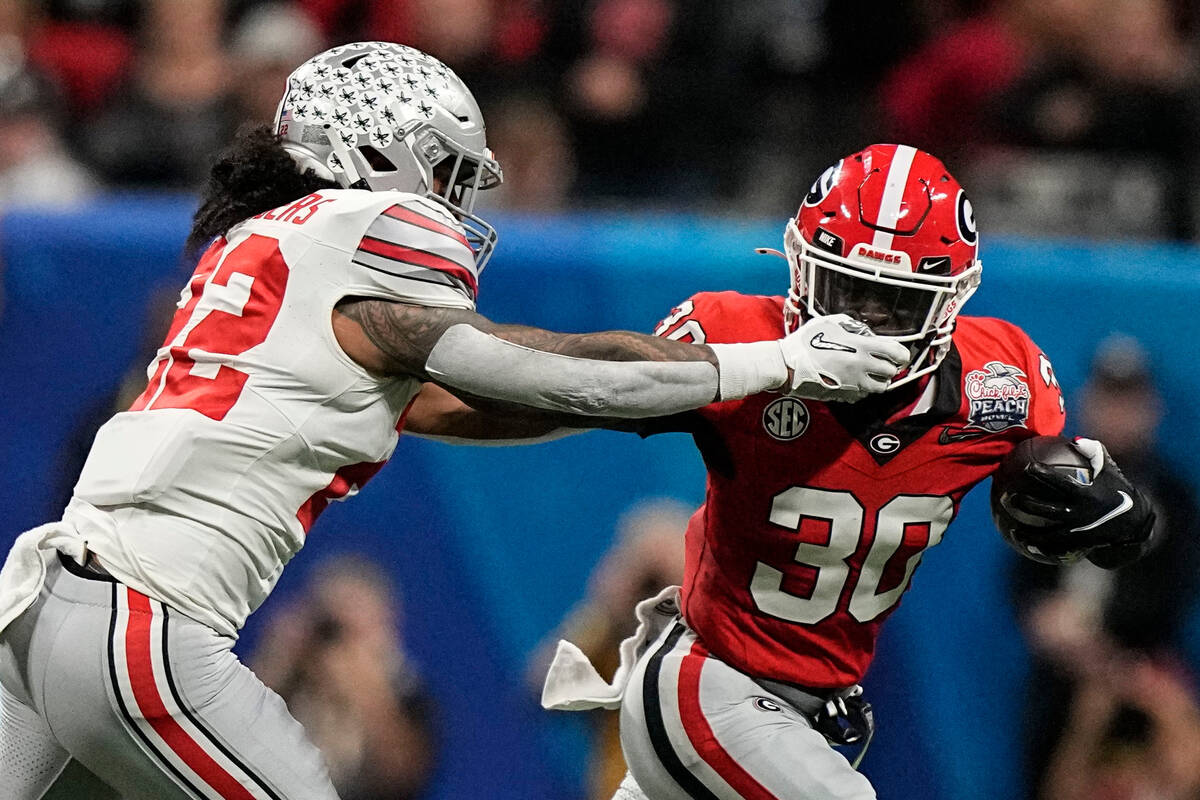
x: 254, y: 174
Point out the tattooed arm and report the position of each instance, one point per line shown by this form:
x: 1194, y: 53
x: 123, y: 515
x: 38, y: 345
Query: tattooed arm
x: 392, y: 338
x: 610, y: 374
x: 438, y: 414
x: 616, y: 374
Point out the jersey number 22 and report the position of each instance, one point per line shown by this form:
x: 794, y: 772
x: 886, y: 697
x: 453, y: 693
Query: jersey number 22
x: 227, y: 308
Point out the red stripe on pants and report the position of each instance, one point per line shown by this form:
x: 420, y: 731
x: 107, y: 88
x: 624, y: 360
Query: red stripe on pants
x: 149, y: 701
x: 701, y: 735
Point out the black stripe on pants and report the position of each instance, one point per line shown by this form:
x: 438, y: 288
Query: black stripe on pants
x: 657, y: 727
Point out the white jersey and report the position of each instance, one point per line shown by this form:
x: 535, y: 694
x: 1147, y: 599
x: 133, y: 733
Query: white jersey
x: 254, y: 419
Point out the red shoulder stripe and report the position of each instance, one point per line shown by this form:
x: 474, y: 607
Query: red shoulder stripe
x: 418, y: 258
x: 428, y: 223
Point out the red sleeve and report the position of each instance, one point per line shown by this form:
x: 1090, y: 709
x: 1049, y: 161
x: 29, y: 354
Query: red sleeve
x: 1048, y: 408
x: 987, y: 341
x: 682, y: 324
x: 723, y: 318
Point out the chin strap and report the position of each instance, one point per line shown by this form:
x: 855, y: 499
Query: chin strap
x: 769, y: 251
x: 353, y: 179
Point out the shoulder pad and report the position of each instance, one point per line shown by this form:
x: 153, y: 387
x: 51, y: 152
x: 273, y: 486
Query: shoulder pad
x: 724, y: 317
x: 401, y: 246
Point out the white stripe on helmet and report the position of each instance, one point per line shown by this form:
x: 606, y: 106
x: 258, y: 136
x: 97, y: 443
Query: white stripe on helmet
x: 893, y: 194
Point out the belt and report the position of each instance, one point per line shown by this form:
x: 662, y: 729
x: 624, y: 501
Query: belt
x: 90, y: 569
x: 92, y: 564
x: 806, y: 700
x: 842, y: 716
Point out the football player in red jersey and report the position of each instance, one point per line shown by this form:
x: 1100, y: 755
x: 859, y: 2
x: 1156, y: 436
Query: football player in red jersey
x: 818, y: 513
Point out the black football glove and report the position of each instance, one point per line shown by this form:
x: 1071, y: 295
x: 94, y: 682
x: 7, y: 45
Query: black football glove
x: 1107, y: 518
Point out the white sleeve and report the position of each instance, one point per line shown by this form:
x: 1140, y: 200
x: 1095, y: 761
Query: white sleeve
x: 414, y: 251
x: 468, y: 359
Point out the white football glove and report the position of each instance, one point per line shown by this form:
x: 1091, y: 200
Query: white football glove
x: 837, y: 358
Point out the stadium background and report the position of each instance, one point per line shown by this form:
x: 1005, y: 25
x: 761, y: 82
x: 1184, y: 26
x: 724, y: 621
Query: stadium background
x: 1081, y: 237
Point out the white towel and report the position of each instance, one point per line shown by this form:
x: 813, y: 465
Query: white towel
x: 24, y: 570
x: 573, y: 684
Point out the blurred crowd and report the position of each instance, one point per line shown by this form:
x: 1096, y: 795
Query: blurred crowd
x: 1068, y: 117
x: 1112, y: 709
x: 334, y: 652
x: 646, y: 556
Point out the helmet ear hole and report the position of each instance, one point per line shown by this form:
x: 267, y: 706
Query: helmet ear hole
x: 378, y: 161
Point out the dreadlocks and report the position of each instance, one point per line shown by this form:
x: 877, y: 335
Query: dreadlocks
x: 254, y: 174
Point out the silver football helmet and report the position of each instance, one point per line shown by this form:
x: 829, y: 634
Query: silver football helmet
x: 378, y: 115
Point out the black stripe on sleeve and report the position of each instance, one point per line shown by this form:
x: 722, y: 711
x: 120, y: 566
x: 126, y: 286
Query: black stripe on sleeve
x: 449, y: 282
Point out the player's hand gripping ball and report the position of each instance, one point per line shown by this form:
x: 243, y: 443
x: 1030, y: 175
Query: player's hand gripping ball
x: 1055, y: 501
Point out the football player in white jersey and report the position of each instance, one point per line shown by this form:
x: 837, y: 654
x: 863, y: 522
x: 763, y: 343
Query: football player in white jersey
x: 339, y: 278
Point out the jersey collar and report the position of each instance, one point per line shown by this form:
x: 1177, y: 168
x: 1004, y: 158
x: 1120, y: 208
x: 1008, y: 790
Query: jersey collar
x: 867, y: 420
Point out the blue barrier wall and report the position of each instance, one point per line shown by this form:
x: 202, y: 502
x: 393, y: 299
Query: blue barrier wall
x: 492, y: 545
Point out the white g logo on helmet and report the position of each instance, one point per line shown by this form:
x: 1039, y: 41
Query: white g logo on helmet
x: 823, y: 185
x: 965, y: 218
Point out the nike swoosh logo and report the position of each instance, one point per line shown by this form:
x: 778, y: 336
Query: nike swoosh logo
x: 950, y: 436
x: 1125, y: 504
x: 821, y: 343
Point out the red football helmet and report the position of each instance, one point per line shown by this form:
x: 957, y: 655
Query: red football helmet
x: 887, y: 236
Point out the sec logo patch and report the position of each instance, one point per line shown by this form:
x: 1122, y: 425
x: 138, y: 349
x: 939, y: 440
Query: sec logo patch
x: 785, y: 419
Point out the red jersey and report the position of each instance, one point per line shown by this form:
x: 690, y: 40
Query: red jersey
x: 817, y: 514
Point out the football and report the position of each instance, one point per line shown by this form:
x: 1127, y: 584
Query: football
x: 1024, y: 498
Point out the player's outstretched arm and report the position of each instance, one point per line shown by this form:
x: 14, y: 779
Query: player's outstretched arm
x: 610, y: 374
x: 403, y: 336
x: 602, y: 374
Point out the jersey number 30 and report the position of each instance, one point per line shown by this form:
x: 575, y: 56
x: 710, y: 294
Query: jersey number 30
x: 844, y: 514
x: 228, y: 307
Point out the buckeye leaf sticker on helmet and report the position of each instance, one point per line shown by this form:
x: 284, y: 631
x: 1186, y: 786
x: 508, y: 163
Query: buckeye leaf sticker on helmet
x: 365, y: 111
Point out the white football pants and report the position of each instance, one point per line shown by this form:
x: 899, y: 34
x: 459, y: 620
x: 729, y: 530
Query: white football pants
x: 154, y: 704
x: 694, y: 728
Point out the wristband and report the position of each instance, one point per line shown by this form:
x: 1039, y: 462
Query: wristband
x: 749, y: 368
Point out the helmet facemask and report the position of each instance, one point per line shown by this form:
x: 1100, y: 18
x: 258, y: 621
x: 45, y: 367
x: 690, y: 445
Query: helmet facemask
x: 454, y: 175
x: 917, y: 310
